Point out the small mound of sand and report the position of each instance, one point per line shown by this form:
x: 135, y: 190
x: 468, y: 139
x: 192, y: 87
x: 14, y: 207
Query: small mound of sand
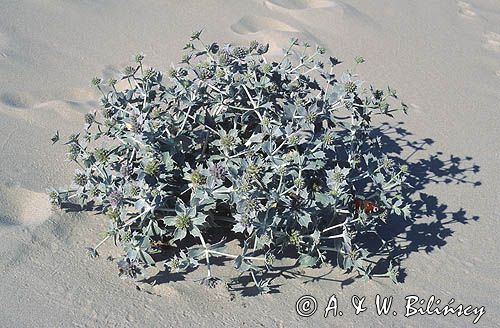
x: 21, y: 206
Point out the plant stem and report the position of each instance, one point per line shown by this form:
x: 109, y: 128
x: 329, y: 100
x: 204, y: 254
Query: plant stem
x: 317, y: 147
x: 249, y: 96
x: 235, y: 256
x: 102, y: 242
x: 184, y: 121
x: 339, y: 225
x: 254, y: 279
x: 207, y: 256
x: 333, y: 237
x: 388, y: 186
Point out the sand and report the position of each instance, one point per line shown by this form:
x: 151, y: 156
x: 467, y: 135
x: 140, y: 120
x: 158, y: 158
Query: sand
x: 443, y: 58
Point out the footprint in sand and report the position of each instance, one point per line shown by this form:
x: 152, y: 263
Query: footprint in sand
x: 334, y: 9
x: 16, y: 100
x: 20, y: 206
x: 301, y: 4
x: 254, y: 24
x: 4, y: 41
x: 465, y: 9
x: 492, y: 41
x: 274, y: 31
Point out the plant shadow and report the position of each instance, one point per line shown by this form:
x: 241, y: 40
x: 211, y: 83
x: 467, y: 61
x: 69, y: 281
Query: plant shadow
x: 432, y: 220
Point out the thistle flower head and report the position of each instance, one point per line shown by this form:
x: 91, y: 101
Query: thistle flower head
x: 115, y: 198
x: 223, y: 58
x: 101, y: 155
x: 126, y: 236
x: 310, y: 117
x: 281, y: 170
x: 299, y: 183
x: 113, y: 213
x: 80, y: 179
x: 54, y: 198
x: 129, y: 71
x: 134, y: 191
x: 266, y: 68
x: 134, y: 124
x: 110, y: 123
x: 95, y: 81
x: 112, y: 82
x: 244, y: 187
x: 89, y: 118
x: 216, y: 170
x: 293, y: 140
x: 228, y: 141
x: 196, y: 35
x: 73, y: 152
x: 265, y: 239
x: 139, y: 58
x: 334, y: 192
x: 388, y: 163
x: 254, y: 169
x: 182, y: 221
x: 152, y: 167
x: 239, y: 52
x: 290, y: 155
x: 174, y: 265
x: 124, y: 170
x: 328, y: 138
x: 338, y: 176
x: 359, y: 60
x: 253, y: 45
x: 94, y: 192
x: 219, y: 73
x: 149, y: 73
x: 350, y: 87
x: 197, y: 178
x: 155, y: 112
x: 294, y: 238
x: 107, y: 112
x: 172, y: 72
x: 270, y: 258
x: 185, y: 58
x: 129, y: 268
x: 205, y: 74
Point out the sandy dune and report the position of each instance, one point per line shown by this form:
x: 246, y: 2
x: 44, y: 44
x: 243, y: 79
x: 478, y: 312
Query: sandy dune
x: 442, y: 56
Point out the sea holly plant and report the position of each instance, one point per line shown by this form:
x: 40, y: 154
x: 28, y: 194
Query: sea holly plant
x: 280, y: 153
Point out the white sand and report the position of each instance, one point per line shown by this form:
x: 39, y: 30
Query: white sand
x: 442, y: 56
